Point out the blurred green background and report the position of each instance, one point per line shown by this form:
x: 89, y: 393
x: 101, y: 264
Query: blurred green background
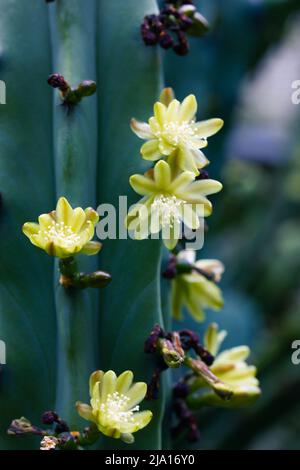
x: 242, y: 71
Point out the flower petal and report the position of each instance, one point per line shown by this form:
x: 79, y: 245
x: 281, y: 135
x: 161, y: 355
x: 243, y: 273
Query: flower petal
x: 45, y: 220
x: 154, y: 126
x: 199, y: 158
x: 64, y: 211
x: 138, y: 421
x: 142, y: 185
x: 173, y: 111
x: 124, y: 382
x: 182, y: 180
x: 176, y: 299
x: 30, y: 228
x: 208, y: 128
x: 94, y: 378
x: 165, y: 147
x: 85, y: 411
x: 141, y: 129
x: 190, y: 217
x: 213, y: 338
x: 194, y: 305
x: 211, y: 266
x: 162, y: 175
x: 92, y: 215
x: 160, y: 112
x: 188, y: 108
x: 204, y: 187
x: 239, y: 353
x: 78, y: 219
x: 91, y: 248
x: 136, y: 394
x: 170, y: 235
x: 107, y: 384
x: 187, y: 161
x: 150, y: 150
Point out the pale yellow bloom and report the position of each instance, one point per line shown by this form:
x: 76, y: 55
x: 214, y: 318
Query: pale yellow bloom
x: 230, y: 367
x: 168, y: 201
x: 173, y: 133
x: 114, y: 405
x: 194, y: 291
x: 65, y: 232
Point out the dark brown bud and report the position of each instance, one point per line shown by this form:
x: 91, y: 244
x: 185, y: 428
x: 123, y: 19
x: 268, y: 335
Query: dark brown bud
x: 58, y: 81
x: 151, y: 342
x: 49, y: 417
x: 203, y: 175
x: 165, y: 40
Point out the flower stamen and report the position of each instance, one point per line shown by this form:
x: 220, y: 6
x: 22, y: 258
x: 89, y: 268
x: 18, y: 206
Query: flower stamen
x: 169, y: 209
x: 115, y: 409
x: 60, y: 233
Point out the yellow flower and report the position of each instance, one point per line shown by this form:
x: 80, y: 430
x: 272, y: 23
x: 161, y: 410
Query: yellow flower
x: 193, y: 290
x: 64, y: 231
x: 115, y: 405
x: 173, y: 133
x: 167, y: 201
x: 230, y: 367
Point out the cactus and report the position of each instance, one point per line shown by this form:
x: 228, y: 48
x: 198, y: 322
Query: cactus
x: 72, y: 144
x: 47, y: 153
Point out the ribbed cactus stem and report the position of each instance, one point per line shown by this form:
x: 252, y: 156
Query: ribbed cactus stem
x: 131, y: 82
x: 75, y: 147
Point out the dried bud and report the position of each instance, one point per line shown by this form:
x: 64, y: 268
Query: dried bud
x: 151, y: 342
x: 22, y: 426
x: 58, y: 81
x: 49, y: 417
x: 165, y: 40
x: 171, y: 269
x: 61, y: 427
x: 203, y: 175
x: 185, y: 22
x: 172, y: 357
x: 181, y: 390
x: 149, y: 38
x: 182, y: 47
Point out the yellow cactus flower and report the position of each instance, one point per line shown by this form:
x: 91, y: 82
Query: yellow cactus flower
x: 64, y: 232
x: 230, y: 367
x: 193, y: 290
x: 114, y: 405
x: 173, y: 133
x: 167, y: 201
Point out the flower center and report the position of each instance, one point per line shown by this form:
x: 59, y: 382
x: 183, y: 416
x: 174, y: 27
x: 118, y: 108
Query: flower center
x: 169, y: 209
x: 177, y: 133
x: 115, y: 410
x: 61, y: 234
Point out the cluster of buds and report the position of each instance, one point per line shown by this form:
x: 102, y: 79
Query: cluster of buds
x: 60, y: 437
x: 169, y: 28
x: 170, y: 349
x: 186, y: 418
x: 71, y: 95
